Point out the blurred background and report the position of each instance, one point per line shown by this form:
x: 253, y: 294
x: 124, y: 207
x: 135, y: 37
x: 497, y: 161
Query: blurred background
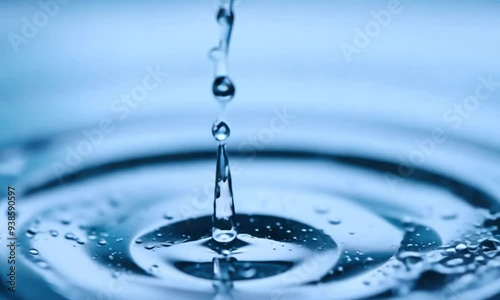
x: 67, y: 73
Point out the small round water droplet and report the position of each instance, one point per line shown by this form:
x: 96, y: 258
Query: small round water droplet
x: 138, y: 241
x: 30, y: 233
x: 223, y: 89
x: 335, y: 221
x: 460, y: 247
x: 54, y: 233
x: 70, y: 236
x: 33, y: 252
x: 220, y: 131
x: 167, y: 216
x: 102, y: 242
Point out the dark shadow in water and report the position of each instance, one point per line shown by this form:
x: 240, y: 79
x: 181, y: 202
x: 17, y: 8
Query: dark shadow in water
x: 473, y: 195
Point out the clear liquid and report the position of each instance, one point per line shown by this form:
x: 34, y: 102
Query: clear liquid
x: 314, y: 219
x: 303, y: 229
x: 223, y: 224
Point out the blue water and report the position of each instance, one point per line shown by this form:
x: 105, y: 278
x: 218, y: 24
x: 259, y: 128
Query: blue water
x: 374, y: 177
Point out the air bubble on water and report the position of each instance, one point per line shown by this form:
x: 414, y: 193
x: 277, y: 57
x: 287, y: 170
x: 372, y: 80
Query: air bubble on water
x: 33, y: 252
x: 223, y: 89
x: 220, y: 130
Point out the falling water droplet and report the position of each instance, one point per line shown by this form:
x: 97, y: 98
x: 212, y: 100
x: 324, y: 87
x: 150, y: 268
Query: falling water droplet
x: 220, y: 131
x: 225, y: 16
x: 223, y: 89
x: 224, y: 228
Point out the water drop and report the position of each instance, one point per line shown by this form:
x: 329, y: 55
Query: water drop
x: 224, y: 228
x: 102, y: 242
x: 335, y: 221
x: 70, y: 236
x: 220, y: 131
x: 54, y: 233
x: 30, y: 233
x: 33, y: 252
x: 223, y: 89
